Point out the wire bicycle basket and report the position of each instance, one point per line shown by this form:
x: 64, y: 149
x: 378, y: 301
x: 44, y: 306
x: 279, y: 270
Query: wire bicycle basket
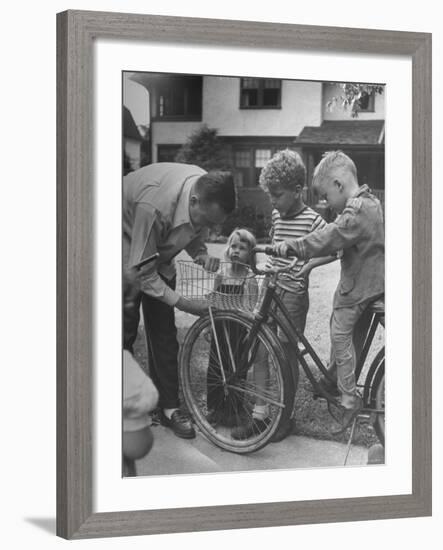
x: 221, y: 289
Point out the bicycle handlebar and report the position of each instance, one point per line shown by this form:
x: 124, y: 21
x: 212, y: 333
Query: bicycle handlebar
x: 269, y: 251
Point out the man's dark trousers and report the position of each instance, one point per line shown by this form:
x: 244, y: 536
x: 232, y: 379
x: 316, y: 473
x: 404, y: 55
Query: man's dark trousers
x: 161, y: 336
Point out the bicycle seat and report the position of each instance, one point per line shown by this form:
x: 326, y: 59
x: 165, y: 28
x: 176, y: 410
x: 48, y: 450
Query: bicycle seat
x: 378, y: 306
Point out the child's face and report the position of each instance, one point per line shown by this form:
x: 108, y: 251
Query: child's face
x: 333, y: 192
x: 283, y: 199
x: 239, y: 251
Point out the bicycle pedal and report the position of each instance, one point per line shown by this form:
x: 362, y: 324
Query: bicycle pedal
x: 364, y: 416
x: 315, y: 395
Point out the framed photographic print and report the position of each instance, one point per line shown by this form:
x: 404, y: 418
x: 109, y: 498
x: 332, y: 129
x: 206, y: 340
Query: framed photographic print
x: 190, y: 105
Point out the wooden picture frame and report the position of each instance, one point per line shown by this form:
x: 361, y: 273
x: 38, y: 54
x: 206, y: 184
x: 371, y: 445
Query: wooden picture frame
x: 76, y: 32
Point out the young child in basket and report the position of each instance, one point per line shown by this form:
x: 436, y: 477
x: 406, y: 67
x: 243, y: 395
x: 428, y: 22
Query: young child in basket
x: 359, y: 232
x: 235, y: 275
x: 283, y: 179
x: 235, y: 287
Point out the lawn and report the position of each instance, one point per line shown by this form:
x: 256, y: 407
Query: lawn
x: 312, y: 417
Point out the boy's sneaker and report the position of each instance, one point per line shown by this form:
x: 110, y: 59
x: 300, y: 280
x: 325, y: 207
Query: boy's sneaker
x: 350, y: 414
x: 221, y: 418
x: 284, y: 430
x: 329, y: 387
x: 253, y: 427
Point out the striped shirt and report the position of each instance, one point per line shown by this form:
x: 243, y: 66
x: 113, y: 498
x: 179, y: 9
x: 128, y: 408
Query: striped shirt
x: 294, y: 227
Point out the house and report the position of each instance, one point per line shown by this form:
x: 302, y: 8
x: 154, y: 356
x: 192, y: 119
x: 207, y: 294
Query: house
x: 132, y: 142
x: 256, y: 117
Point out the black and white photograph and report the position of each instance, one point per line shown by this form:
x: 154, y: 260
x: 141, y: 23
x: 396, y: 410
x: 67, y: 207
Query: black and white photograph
x: 253, y: 274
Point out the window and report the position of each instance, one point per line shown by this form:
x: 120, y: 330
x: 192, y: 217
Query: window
x: 242, y: 163
x: 243, y: 158
x: 366, y: 103
x: 167, y: 153
x: 260, y: 93
x: 261, y: 158
x: 180, y: 98
x: 249, y: 161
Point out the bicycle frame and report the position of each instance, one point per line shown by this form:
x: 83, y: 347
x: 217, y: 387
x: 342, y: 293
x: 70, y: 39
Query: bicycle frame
x: 273, y: 307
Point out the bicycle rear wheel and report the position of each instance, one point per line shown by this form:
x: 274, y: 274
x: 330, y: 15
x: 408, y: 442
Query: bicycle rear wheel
x: 225, y: 372
x: 379, y: 399
x: 374, y: 393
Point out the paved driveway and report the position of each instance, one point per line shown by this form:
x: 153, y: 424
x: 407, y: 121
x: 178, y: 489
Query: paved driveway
x: 172, y: 455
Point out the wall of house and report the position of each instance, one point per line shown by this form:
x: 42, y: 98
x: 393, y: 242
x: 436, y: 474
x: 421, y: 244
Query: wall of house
x: 300, y: 101
x: 338, y: 113
x: 171, y: 133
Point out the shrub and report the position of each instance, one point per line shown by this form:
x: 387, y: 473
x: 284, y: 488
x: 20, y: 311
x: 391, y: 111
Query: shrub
x: 250, y: 218
x: 205, y: 149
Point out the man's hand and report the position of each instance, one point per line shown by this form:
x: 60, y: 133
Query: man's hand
x: 282, y: 249
x: 131, y: 287
x: 209, y: 263
x: 194, y: 307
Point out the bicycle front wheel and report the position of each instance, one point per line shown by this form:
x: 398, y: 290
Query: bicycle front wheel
x: 229, y: 375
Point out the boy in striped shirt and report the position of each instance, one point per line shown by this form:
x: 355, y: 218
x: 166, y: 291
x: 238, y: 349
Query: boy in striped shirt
x: 283, y: 179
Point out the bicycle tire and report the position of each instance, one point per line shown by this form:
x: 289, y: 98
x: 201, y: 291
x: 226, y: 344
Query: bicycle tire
x: 374, y: 393
x: 379, y: 399
x: 198, y: 363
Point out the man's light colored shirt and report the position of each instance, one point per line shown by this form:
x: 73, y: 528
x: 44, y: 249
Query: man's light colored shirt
x: 156, y: 219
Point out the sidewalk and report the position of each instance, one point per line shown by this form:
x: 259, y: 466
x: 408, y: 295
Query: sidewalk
x: 172, y: 455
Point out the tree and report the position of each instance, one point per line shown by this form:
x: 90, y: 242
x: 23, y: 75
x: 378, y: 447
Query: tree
x: 205, y: 149
x: 354, y: 96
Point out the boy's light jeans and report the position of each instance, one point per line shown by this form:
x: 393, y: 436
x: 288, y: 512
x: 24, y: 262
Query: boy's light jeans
x: 343, y: 322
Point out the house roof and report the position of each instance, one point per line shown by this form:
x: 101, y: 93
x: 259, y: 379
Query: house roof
x: 343, y: 132
x: 130, y: 129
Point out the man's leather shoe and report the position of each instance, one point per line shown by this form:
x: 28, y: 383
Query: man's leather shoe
x: 180, y: 423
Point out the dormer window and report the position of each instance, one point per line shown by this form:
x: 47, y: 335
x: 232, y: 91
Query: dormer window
x: 260, y: 93
x: 179, y: 98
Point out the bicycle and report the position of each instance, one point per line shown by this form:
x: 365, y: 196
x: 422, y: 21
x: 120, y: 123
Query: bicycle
x: 224, y: 350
